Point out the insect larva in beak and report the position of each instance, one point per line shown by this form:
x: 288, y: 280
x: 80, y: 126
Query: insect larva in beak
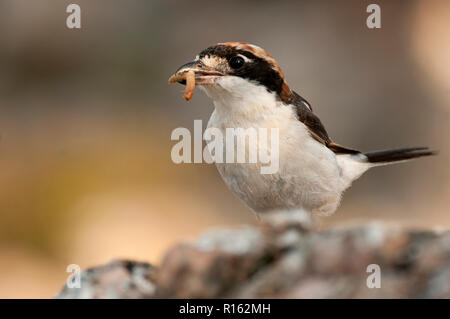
x: 176, y: 78
x: 190, y: 85
x: 189, y: 77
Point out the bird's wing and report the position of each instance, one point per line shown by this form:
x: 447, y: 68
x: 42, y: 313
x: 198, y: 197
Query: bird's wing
x: 315, y: 126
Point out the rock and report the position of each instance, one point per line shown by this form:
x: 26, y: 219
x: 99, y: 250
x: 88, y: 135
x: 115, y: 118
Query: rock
x: 284, y: 258
x: 117, y: 279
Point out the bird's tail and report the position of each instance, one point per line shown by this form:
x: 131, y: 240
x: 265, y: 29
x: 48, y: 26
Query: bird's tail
x: 354, y: 165
x: 397, y: 155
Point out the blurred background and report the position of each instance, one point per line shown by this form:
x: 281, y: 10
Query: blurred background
x: 86, y: 117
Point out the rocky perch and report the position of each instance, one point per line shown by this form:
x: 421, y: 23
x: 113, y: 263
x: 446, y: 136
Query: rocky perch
x: 284, y: 258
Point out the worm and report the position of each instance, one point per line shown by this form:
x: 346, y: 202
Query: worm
x: 190, y: 85
x: 189, y: 77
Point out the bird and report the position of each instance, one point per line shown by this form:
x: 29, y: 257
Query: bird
x: 249, y: 90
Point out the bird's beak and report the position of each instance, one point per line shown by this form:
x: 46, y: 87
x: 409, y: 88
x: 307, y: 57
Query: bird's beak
x: 203, y: 75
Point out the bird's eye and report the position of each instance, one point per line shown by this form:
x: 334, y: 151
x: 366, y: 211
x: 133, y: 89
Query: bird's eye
x: 236, y: 62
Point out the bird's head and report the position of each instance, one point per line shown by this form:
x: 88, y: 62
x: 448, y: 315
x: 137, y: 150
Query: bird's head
x: 236, y: 69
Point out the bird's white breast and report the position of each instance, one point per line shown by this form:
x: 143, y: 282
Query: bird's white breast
x: 308, y: 175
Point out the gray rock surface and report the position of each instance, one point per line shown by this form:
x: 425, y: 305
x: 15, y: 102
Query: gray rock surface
x: 284, y: 258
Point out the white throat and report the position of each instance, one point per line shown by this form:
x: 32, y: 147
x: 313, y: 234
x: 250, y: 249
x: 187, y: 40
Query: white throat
x: 241, y: 98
